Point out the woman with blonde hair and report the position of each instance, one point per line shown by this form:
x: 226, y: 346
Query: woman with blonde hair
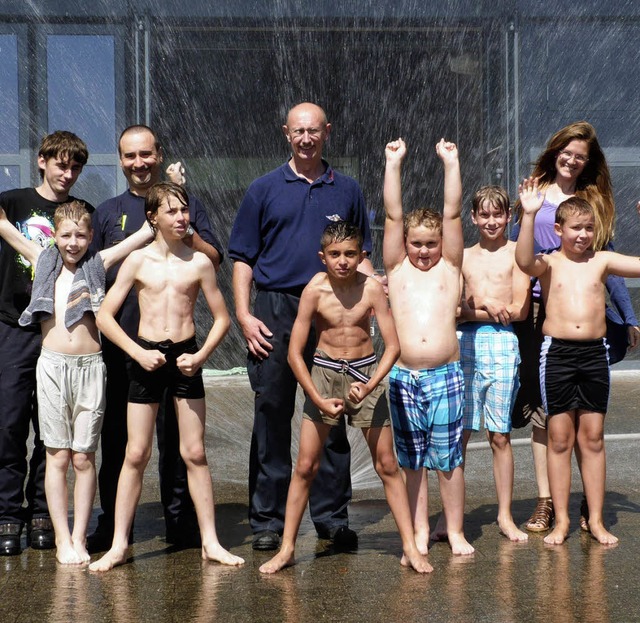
x: 572, y: 164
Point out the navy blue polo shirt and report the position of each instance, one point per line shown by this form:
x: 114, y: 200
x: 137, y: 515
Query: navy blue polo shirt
x: 280, y: 222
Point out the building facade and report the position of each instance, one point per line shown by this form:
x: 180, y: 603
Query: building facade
x: 215, y: 79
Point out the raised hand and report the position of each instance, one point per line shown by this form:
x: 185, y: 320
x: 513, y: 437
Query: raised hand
x: 175, y: 172
x: 395, y: 151
x: 531, y: 198
x: 447, y: 152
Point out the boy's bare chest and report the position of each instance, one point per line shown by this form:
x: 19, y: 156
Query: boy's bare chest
x: 441, y: 279
x: 82, y: 337
x: 575, y: 279
x: 62, y: 290
x: 488, y: 269
x: 345, y: 311
x: 167, y: 276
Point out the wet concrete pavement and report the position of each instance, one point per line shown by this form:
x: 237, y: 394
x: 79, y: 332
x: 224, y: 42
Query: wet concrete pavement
x: 501, y: 582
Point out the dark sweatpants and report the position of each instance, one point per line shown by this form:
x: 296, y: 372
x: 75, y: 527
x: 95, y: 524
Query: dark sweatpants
x: 19, y: 352
x: 270, y: 461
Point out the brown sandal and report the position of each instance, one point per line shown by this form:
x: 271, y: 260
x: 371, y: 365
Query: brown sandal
x: 584, y: 515
x: 542, y: 517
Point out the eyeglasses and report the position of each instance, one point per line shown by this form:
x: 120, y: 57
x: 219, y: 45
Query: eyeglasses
x: 312, y: 132
x: 579, y: 158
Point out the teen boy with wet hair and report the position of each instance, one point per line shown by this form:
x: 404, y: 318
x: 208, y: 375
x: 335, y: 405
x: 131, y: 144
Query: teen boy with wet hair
x: 67, y: 290
x: 168, y: 276
x: 141, y: 159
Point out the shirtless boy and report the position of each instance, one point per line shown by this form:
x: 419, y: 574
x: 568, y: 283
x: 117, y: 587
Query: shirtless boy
x: 68, y: 288
x: 423, y: 258
x: 167, y: 276
x: 496, y: 293
x: 344, y: 380
x: 574, y: 368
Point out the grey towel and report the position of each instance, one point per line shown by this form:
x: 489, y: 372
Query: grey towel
x: 87, y: 289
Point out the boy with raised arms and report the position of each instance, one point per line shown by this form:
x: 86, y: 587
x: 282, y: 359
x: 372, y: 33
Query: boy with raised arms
x: 167, y: 275
x: 67, y: 290
x: 496, y: 293
x: 344, y: 381
x: 574, y: 365
x: 422, y: 255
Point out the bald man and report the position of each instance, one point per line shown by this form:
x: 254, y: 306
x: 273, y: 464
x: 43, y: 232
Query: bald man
x: 274, y: 243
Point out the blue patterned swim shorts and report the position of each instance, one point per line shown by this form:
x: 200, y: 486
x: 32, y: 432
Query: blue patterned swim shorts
x: 490, y: 358
x: 426, y: 411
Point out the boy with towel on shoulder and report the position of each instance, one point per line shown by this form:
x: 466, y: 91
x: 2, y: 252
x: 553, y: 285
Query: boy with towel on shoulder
x: 67, y: 290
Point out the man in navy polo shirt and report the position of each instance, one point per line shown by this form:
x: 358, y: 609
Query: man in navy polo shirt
x: 275, y: 242
x: 115, y: 219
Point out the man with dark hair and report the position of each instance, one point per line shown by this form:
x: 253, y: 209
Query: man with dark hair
x: 141, y: 159
x: 60, y: 160
x: 274, y: 242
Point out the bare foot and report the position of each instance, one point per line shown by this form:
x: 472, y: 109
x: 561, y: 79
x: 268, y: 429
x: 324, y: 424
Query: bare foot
x: 422, y: 542
x: 511, y: 531
x: 66, y: 555
x: 602, y: 535
x: 281, y: 560
x: 584, y: 515
x: 459, y: 545
x: 111, y: 559
x: 558, y: 535
x: 81, y: 550
x: 215, y: 552
x: 416, y: 561
x: 440, y: 532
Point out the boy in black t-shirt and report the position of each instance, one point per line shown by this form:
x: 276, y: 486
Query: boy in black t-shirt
x: 60, y: 159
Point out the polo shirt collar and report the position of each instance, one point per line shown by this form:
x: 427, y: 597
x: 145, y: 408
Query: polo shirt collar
x: 326, y: 178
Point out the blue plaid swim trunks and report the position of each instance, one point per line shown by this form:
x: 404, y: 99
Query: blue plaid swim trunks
x: 426, y: 411
x: 490, y: 358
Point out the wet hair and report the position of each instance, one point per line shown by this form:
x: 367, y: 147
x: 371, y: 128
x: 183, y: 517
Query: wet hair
x: 158, y: 193
x: 495, y: 195
x: 594, y: 183
x: 64, y: 145
x: 423, y: 217
x: 134, y: 129
x: 75, y: 211
x: 573, y: 206
x: 339, y: 231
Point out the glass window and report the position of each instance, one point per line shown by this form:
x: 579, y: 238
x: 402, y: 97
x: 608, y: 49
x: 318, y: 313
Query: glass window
x: 9, y: 177
x: 81, y: 88
x: 96, y: 184
x: 9, y: 119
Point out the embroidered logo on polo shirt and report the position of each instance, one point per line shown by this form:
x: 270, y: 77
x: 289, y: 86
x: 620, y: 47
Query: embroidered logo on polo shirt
x: 335, y: 218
